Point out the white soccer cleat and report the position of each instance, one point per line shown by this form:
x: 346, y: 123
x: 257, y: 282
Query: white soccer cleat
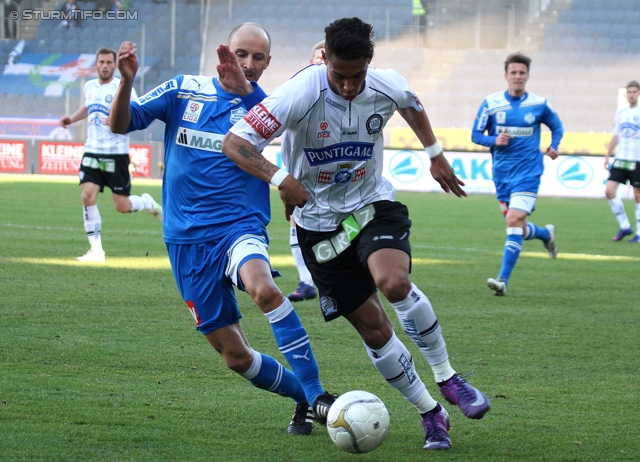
x: 550, y: 245
x: 498, y: 285
x: 151, y: 206
x: 92, y: 256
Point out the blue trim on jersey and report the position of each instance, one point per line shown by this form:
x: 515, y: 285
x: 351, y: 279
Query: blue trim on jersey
x: 521, y: 117
x: 205, y: 196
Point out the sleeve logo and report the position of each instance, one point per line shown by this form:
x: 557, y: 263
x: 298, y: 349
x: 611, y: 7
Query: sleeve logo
x: 262, y: 121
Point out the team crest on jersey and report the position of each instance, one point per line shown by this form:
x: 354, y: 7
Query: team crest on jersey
x: 237, y: 114
x: 192, y: 111
x: 374, y: 124
x: 344, y: 175
x: 501, y: 117
x: 108, y: 98
x: 530, y: 118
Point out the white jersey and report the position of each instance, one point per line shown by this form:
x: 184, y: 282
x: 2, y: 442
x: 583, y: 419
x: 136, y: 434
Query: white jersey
x: 627, y: 129
x: 333, y: 146
x: 98, y: 99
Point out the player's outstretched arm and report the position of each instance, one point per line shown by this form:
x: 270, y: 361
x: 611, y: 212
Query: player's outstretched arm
x: 440, y: 168
x: 250, y: 159
x: 80, y: 114
x: 120, y: 116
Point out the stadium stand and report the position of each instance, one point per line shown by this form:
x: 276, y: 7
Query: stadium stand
x: 583, y: 51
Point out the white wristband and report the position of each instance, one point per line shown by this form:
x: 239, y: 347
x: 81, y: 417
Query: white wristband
x: 434, y: 150
x: 278, y: 177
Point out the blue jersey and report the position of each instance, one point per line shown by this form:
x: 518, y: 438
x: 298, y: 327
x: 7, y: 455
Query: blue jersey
x: 204, y: 194
x: 520, y: 117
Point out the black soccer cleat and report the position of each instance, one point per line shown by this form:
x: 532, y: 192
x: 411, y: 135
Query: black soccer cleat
x: 321, y: 407
x: 302, y: 420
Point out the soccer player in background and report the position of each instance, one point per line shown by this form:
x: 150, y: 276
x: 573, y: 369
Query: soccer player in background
x: 216, y: 216
x: 511, y: 121
x: 105, y: 161
x: 305, y: 289
x: 626, y: 165
x: 353, y: 235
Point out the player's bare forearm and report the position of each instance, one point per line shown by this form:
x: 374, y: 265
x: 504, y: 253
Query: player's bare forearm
x: 120, y: 116
x: 248, y: 157
x: 419, y: 123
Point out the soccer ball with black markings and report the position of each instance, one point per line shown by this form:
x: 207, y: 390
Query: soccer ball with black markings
x: 358, y: 421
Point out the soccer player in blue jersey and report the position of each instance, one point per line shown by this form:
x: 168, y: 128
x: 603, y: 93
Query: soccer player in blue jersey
x: 215, y: 216
x: 511, y: 120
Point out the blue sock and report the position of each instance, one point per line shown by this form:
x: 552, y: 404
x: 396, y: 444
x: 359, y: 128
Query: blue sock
x: 293, y: 342
x: 512, y: 249
x: 268, y: 374
x: 537, y: 232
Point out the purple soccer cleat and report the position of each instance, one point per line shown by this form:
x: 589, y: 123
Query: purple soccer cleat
x: 471, y: 401
x: 303, y: 292
x: 436, y: 429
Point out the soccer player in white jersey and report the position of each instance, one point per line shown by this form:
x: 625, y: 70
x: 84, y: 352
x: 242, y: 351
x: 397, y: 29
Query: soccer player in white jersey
x: 305, y: 289
x: 512, y: 121
x: 106, y: 156
x: 353, y: 235
x: 626, y: 165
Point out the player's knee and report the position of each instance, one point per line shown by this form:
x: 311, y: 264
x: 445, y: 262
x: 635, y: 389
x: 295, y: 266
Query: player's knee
x: 394, y: 287
x: 266, y: 295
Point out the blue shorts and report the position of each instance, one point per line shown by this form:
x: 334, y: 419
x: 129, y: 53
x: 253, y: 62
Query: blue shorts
x: 206, y: 273
x: 520, y: 194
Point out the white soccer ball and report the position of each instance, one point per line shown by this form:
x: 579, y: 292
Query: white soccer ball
x: 358, y: 421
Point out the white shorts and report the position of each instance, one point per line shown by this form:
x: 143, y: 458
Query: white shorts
x: 523, y: 201
x: 247, y: 247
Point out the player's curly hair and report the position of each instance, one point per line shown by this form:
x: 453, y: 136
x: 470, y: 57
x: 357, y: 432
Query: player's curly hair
x: 349, y: 39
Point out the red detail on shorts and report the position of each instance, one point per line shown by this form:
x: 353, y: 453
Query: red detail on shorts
x: 262, y: 121
x: 193, y: 310
x: 324, y: 126
x: 504, y: 206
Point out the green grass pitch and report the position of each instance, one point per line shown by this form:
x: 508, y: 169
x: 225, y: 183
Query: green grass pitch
x: 102, y: 362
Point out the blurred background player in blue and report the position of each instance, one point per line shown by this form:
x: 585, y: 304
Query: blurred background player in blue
x: 105, y: 161
x: 216, y: 216
x: 305, y: 289
x: 512, y: 121
x: 626, y: 165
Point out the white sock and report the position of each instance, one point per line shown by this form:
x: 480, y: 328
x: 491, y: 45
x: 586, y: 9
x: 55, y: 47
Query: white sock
x: 92, y: 226
x: 617, y: 207
x: 395, y: 364
x: 419, y: 322
x: 638, y: 219
x: 137, y: 204
x: 303, y: 271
